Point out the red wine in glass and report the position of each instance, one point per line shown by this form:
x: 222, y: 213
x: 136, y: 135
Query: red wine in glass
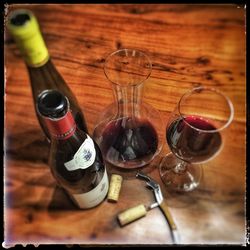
x: 129, y: 139
x: 193, y: 139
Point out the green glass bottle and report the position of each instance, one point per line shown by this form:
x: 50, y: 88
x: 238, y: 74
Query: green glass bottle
x: 43, y: 75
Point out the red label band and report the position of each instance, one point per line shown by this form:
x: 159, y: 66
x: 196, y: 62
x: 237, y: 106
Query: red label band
x: 61, y: 128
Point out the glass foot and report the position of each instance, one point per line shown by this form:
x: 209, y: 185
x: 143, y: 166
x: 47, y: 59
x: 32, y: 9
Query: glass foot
x: 178, y: 175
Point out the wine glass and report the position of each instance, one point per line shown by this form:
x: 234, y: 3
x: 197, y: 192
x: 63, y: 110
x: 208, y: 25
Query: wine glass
x: 195, y: 134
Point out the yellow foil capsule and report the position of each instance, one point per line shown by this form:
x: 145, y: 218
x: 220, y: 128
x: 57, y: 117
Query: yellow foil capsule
x: 114, y: 187
x: 28, y: 37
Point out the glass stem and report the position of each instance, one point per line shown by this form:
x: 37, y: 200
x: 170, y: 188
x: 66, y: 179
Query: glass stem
x: 180, y: 167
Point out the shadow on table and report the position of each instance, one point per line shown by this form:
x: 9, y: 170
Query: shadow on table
x: 60, y: 200
x: 131, y: 173
x: 29, y: 146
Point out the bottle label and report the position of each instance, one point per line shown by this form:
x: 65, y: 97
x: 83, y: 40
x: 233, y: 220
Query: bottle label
x: 93, y: 197
x: 29, y: 40
x: 84, y: 157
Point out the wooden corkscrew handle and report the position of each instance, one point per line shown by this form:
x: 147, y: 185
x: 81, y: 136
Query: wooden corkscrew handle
x: 165, y: 210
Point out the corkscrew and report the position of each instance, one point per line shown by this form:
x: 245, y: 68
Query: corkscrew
x: 139, y: 211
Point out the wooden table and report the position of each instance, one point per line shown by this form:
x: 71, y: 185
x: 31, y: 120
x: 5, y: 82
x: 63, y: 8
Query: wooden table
x: 189, y: 45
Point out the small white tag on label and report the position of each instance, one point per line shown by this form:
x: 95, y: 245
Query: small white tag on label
x: 84, y: 157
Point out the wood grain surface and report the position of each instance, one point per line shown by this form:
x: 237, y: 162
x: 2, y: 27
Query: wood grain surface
x: 189, y: 45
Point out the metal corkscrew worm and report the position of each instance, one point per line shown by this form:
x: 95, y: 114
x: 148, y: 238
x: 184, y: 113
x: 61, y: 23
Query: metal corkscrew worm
x: 139, y: 211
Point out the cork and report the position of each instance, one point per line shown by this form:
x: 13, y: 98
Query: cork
x: 132, y: 214
x: 114, y: 187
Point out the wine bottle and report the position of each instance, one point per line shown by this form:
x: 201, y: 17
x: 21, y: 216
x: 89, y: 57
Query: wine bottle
x: 24, y: 27
x: 75, y: 159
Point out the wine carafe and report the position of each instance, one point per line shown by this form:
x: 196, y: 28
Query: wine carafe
x: 128, y: 129
x: 24, y: 27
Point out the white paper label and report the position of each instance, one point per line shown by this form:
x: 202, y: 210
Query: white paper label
x: 95, y: 196
x: 84, y: 157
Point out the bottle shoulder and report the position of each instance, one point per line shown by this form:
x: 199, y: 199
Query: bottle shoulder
x: 74, y: 141
x: 72, y: 165
x: 68, y: 147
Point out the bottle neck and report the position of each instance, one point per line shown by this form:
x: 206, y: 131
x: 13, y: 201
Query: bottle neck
x: 62, y: 128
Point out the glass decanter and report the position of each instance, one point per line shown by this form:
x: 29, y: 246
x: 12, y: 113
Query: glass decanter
x: 128, y: 130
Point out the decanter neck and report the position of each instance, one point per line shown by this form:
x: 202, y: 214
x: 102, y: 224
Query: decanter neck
x: 128, y: 100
